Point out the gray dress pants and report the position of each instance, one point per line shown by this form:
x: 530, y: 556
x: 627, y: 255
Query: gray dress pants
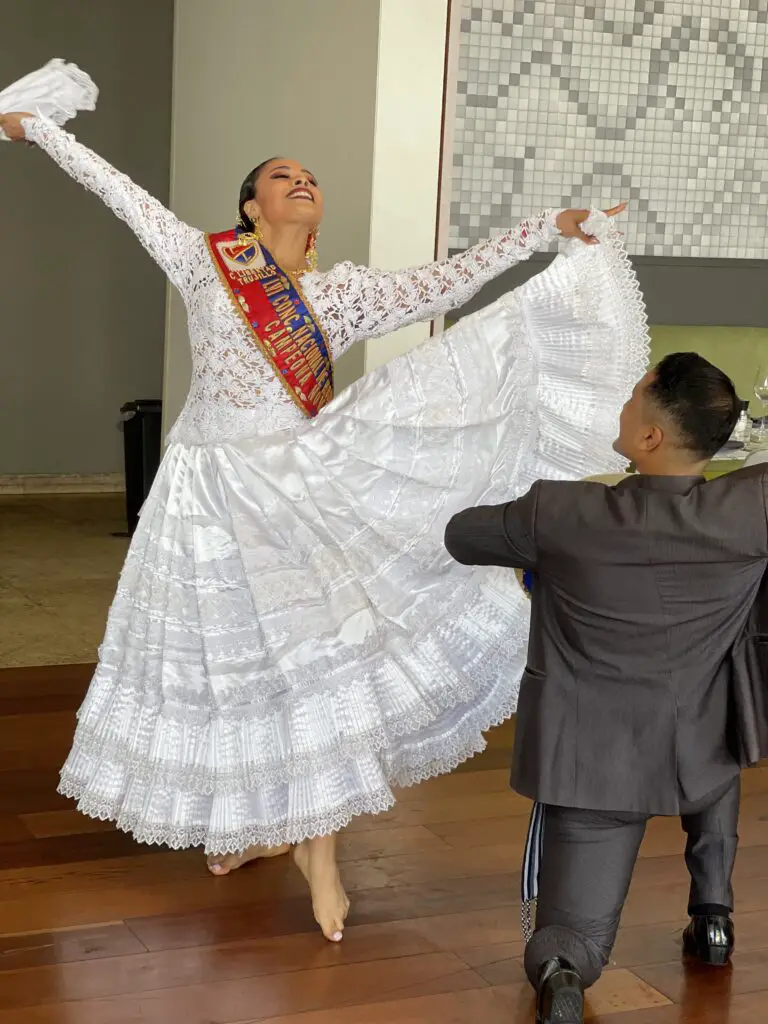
x: 586, y: 866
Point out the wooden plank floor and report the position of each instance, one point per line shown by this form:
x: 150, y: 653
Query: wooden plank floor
x: 95, y: 929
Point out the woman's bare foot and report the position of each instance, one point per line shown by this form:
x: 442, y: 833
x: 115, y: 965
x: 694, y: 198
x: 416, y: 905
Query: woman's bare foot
x: 223, y: 863
x: 316, y: 860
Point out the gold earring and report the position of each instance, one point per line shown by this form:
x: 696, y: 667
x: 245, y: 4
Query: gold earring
x: 257, y: 232
x: 311, y: 253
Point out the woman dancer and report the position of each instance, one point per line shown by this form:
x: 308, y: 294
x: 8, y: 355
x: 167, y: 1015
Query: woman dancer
x: 289, y: 639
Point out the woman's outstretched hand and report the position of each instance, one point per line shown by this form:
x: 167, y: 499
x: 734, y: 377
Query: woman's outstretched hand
x: 12, y: 126
x: 569, y: 222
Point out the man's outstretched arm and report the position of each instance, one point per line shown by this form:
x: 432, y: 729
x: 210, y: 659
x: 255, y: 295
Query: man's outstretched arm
x: 496, y: 534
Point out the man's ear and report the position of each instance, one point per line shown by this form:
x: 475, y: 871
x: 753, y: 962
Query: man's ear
x: 651, y: 438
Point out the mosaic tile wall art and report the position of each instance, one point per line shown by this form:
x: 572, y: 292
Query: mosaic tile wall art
x: 662, y: 103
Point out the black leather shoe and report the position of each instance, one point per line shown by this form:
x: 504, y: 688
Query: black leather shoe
x: 560, y: 994
x: 710, y: 939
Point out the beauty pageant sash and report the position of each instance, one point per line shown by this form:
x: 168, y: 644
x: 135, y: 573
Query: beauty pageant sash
x: 279, y: 319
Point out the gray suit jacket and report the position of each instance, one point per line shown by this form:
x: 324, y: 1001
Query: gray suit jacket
x: 641, y: 591
x: 749, y: 684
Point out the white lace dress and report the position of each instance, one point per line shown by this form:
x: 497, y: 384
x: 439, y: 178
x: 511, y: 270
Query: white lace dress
x: 289, y: 638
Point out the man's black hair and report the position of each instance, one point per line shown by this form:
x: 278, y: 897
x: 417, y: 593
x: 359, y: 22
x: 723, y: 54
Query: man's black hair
x: 699, y: 399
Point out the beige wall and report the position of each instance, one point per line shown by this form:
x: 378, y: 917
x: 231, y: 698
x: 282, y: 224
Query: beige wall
x: 406, y: 170
x: 352, y: 88
x: 304, y: 85
x: 82, y: 304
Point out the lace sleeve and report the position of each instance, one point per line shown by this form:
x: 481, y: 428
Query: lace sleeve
x: 169, y: 241
x: 357, y: 303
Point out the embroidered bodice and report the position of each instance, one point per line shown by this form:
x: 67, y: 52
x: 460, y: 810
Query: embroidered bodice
x: 234, y: 391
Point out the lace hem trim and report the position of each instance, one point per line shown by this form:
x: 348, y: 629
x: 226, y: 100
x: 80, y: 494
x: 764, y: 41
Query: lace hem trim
x: 103, y: 741
x: 177, y: 837
x: 630, y: 298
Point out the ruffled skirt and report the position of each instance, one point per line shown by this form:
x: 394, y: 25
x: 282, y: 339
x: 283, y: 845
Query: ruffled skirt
x: 289, y: 638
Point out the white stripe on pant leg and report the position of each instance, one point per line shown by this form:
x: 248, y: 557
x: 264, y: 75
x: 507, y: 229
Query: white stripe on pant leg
x: 529, y: 882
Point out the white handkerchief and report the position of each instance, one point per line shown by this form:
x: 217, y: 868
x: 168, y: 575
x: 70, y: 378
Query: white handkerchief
x: 56, y: 91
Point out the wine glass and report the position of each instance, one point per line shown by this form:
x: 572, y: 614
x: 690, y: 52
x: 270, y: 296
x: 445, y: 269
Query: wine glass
x: 761, y: 394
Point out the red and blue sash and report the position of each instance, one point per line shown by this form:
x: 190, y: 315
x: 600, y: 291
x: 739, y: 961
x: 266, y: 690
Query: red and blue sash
x: 279, y: 319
